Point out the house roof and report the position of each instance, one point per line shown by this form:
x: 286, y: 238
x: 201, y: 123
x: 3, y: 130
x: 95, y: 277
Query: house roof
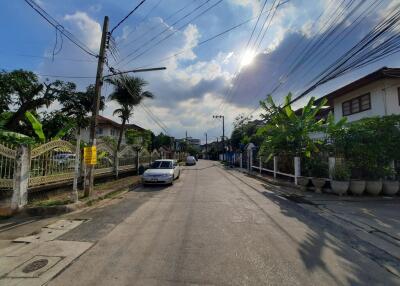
x: 101, y: 120
x: 381, y: 73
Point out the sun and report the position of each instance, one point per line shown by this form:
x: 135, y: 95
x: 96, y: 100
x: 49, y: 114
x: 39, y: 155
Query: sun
x: 248, y: 57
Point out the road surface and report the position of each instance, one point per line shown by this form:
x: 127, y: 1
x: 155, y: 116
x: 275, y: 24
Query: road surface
x: 212, y: 227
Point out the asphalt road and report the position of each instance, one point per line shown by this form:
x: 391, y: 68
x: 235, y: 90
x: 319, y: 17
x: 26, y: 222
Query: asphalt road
x: 212, y: 227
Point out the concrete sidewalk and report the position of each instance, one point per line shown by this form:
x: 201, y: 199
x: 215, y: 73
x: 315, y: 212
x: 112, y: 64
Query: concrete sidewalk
x: 33, y: 219
x: 375, y: 220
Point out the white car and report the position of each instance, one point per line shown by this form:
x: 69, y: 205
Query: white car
x: 161, y: 172
x: 190, y: 160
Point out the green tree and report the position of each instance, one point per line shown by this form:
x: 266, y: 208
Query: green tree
x: 128, y: 92
x: 162, y: 140
x: 286, y: 132
x: 22, y: 91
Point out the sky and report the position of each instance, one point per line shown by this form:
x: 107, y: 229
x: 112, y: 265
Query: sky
x: 227, y: 76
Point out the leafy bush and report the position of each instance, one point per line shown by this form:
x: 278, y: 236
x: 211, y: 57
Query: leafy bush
x: 341, y: 173
x: 318, y: 168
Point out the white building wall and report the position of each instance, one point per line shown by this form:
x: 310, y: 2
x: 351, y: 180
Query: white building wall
x: 384, y: 100
x: 392, y: 96
x: 85, y: 133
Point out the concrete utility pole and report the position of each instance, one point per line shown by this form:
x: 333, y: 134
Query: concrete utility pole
x: 96, y: 105
x: 223, y: 133
x: 206, y: 147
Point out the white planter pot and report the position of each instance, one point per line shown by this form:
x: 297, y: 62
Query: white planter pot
x: 340, y: 187
x: 303, y: 182
x: 357, y: 187
x: 318, y: 184
x: 373, y: 187
x: 390, y: 188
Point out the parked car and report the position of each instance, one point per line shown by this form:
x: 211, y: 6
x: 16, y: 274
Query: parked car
x: 161, y: 172
x: 190, y: 160
x: 66, y: 160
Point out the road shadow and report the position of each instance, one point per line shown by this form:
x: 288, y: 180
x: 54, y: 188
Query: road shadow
x: 151, y: 188
x: 325, y: 234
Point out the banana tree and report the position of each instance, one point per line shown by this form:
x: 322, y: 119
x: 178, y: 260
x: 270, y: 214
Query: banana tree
x: 288, y: 132
x: 19, y: 138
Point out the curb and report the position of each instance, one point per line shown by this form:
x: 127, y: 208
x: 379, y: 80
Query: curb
x: 63, y: 209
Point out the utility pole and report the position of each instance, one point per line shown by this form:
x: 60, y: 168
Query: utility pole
x: 223, y: 133
x: 89, y: 178
x: 206, y: 147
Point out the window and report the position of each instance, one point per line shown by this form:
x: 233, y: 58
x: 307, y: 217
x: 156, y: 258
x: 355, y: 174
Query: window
x: 112, y: 132
x: 99, y: 131
x: 358, y: 104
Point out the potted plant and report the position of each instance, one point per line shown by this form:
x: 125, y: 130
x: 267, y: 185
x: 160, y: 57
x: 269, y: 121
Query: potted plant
x: 390, y: 186
x: 357, y: 184
x: 318, y: 172
x: 373, y: 184
x: 340, y: 179
x: 304, y: 180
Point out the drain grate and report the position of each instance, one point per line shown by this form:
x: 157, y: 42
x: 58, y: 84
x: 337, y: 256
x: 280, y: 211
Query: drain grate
x: 35, y: 265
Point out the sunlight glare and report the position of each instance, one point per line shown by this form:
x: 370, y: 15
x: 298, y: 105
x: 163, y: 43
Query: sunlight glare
x: 248, y: 57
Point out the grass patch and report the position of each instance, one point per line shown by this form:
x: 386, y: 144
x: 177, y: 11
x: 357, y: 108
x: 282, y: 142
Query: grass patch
x: 51, y: 202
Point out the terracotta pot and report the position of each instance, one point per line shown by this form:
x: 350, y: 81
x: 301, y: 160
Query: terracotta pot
x: 340, y: 187
x: 318, y: 184
x: 357, y: 187
x: 303, y: 182
x: 390, y: 188
x: 373, y: 187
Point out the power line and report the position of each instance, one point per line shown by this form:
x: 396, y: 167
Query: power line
x: 127, y: 16
x: 162, y: 32
x: 174, y: 31
x: 230, y: 94
x: 209, y: 39
x: 59, y: 27
x: 56, y: 58
x: 155, y: 26
x: 142, y: 20
x: 371, y: 48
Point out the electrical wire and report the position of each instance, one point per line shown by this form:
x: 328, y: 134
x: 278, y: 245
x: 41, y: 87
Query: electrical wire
x: 208, y: 39
x: 59, y: 27
x: 145, y: 17
x: 127, y: 16
x: 168, y: 28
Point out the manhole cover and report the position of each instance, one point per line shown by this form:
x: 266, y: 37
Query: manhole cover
x: 35, y: 265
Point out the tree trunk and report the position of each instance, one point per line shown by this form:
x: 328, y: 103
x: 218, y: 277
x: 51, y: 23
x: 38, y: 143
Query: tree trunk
x: 121, y: 133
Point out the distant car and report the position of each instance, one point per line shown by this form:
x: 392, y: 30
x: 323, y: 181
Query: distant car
x: 161, y: 172
x: 190, y: 160
x: 65, y: 159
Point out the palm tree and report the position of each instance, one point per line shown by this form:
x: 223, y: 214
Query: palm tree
x: 128, y: 93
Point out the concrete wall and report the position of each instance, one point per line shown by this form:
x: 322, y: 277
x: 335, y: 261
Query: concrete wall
x: 384, y: 100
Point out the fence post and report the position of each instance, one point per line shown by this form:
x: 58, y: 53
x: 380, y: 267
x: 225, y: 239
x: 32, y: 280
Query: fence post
x: 19, y: 197
x: 116, y: 163
x: 241, y: 160
x: 137, y: 163
x: 77, y: 171
x: 260, y: 165
x: 331, y: 166
x: 275, y: 166
x: 297, y: 169
x: 250, y: 163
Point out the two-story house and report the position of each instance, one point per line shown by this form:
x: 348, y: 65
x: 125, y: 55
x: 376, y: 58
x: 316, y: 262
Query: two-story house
x: 108, y: 127
x: 376, y: 94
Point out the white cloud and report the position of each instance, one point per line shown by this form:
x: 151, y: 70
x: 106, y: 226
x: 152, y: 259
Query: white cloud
x: 85, y: 28
x: 254, y: 5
